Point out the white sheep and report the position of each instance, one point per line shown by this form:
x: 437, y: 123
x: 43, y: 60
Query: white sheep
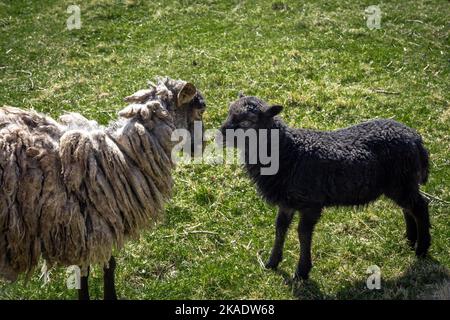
x: 71, y: 191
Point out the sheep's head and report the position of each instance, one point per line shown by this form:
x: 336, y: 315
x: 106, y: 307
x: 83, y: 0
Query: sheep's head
x: 180, y: 99
x: 188, y: 103
x: 250, y: 113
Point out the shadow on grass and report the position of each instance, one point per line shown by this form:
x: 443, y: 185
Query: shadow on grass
x: 303, y: 290
x: 424, y: 279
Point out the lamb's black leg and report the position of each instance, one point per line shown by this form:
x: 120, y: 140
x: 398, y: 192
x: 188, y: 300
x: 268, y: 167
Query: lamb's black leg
x: 421, y: 216
x: 413, y: 203
x: 284, y: 219
x: 308, y: 220
x: 411, y: 227
x: 109, y: 289
x: 83, y: 292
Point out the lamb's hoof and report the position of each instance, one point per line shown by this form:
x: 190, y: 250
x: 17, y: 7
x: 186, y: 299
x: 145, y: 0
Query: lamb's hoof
x: 412, y: 243
x: 301, y: 275
x: 422, y: 249
x: 272, y: 264
x: 421, y: 253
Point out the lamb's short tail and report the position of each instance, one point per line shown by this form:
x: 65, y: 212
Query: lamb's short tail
x: 424, y: 163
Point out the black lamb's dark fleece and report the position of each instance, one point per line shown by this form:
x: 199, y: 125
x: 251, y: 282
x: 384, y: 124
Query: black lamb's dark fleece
x: 351, y: 166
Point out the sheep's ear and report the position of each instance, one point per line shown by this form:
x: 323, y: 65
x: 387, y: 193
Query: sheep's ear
x: 186, y: 93
x: 241, y: 95
x: 272, y: 111
x: 131, y: 110
x: 139, y: 96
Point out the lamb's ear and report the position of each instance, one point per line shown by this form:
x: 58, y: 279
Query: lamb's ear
x: 273, y: 110
x: 186, y: 93
x: 241, y: 95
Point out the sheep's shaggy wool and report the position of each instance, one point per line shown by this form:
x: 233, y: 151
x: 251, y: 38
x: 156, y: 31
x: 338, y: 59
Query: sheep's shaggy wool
x: 71, y: 191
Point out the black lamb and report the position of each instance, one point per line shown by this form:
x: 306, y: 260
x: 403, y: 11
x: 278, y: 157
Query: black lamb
x: 345, y: 167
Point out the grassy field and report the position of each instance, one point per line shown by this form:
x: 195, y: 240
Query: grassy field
x: 319, y: 60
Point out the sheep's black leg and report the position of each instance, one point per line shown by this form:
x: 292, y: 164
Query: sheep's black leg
x: 420, y: 212
x: 308, y: 220
x: 284, y: 219
x: 83, y: 292
x: 411, y: 227
x: 109, y: 289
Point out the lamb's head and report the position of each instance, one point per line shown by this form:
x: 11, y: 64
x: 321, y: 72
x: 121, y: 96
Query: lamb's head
x: 179, y: 99
x: 249, y: 113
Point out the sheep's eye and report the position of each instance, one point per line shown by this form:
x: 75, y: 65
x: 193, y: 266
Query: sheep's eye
x: 245, y: 123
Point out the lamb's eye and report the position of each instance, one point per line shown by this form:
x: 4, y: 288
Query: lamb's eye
x: 245, y: 123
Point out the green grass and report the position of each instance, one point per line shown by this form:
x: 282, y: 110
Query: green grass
x: 319, y: 60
